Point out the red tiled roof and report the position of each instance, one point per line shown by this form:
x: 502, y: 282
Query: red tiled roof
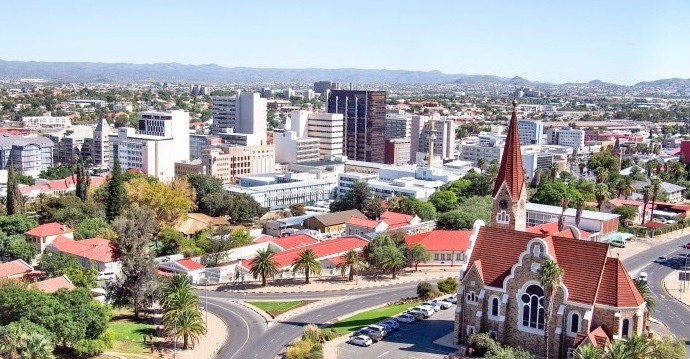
x: 439, y: 240
x: 394, y: 219
x: 53, y: 284
x: 13, y: 268
x: 362, y: 222
x: 323, y: 249
x: 511, y: 170
x: 263, y: 238
x: 190, y: 264
x: 581, y: 272
x: 295, y: 241
x: 597, y: 337
x: 617, y: 289
x: 97, y: 249
x: 624, y: 202
x: 552, y: 228
x: 653, y: 225
x: 49, y: 229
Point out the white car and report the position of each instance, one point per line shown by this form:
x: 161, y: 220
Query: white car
x: 379, y: 329
x: 442, y: 303
x: 423, y: 309
x: 452, y: 299
x: 361, y: 340
x: 432, y: 305
x: 389, y: 324
x: 406, y: 318
x: 643, y: 276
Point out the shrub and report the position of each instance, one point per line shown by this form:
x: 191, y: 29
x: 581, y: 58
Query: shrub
x: 448, y: 285
x: 400, y: 301
x: 482, y: 343
x: 311, y: 333
x: 425, y: 291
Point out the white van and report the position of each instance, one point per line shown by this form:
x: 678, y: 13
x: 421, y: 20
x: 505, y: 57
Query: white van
x: 427, y: 310
x: 618, y: 243
x: 105, y: 276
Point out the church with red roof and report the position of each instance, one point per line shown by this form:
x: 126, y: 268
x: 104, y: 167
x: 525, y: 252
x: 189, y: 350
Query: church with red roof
x: 595, y: 301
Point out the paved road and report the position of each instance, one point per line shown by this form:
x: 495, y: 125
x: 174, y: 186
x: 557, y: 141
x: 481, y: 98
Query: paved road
x: 668, y: 310
x: 243, y: 325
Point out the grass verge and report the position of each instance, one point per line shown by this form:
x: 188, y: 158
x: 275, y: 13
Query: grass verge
x: 357, y: 321
x: 275, y: 308
x: 128, y: 333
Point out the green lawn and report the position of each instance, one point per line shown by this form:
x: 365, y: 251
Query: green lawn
x: 128, y: 334
x: 275, y: 308
x: 357, y: 321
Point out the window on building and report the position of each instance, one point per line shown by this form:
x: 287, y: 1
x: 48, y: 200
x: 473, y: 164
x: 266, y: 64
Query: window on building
x: 625, y: 328
x: 458, y: 256
x: 470, y: 330
x: 472, y: 297
x: 532, y: 308
x: 493, y: 334
x: 574, y: 325
x: 494, y: 307
x: 436, y: 256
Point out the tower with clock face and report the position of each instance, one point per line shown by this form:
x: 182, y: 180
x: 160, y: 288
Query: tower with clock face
x: 510, y: 191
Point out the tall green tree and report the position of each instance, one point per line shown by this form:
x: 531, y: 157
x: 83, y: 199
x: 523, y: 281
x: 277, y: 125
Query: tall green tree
x: 550, y: 277
x: 264, y: 265
x: 351, y: 263
x: 418, y: 254
x: 137, y: 286
x: 115, y: 193
x: 356, y: 198
x: 656, y: 186
x: 83, y: 180
x: 15, y: 203
x: 307, y: 262
x: 444, y: 201
x: 181, y: 313
x: 11, y: 340
x: 393, y: 260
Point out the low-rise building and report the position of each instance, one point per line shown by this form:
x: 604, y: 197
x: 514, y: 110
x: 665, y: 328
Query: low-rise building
x: 52, y: 285
x: 447, y: 248
x: 90, y: 252
x: 229, y: 162
x: 332, y: 223
x: 15, y: 269
x: 387, y: 222
x: 47, y: 121
x: 282, y: 195
x: 193, y: 270
x: 600, y: 225
x: 43, y: 235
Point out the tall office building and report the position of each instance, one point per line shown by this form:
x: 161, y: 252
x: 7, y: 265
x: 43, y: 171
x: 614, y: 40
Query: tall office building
x: 244, y: 113
x: 531, y: 132
x: 444, y: 142
x: 364, y: 116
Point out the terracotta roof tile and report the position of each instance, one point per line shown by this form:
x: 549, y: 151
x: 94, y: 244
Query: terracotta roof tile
x: 582, y: 272
x: 617, y: 289
x: 511, y: 170
x: 362, y: 222
x: 439, y: 240
x: 190, y: 264
x: 322, y: 250
x: 49, y: 229
x: 14, y: 268
x: 294, y: 241
x: 552, y: 228
x: 53, y: 284
x: 97, y: 249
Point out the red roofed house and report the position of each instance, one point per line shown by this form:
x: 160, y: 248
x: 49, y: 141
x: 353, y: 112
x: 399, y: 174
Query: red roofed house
x: 45, y: 234
x: 15, y: 269
x: 53, y: 284
x: 637, y: 206
x: 448, y: 248
x: 97, y: 251
x: 193, y: 270
x: 389, y: 221
x: 325, y: 251
x: 500, y: 291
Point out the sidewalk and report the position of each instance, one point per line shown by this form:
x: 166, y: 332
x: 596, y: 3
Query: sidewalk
x: 677, y: 289
x: 208, y: 345
x: 336, y: 283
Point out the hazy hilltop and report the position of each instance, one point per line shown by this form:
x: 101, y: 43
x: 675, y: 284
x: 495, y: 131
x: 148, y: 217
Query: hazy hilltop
x: 172, y: 72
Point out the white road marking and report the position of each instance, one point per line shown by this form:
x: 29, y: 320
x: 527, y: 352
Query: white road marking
x: 245, y: 324
x: 383, y: 354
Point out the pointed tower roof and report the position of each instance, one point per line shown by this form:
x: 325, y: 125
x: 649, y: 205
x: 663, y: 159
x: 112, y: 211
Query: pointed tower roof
x: 617, y: 144
x: 511, y: 171
x: 103, y: 126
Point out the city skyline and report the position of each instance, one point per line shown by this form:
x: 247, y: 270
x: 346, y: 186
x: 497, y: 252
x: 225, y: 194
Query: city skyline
x: 618, y: 42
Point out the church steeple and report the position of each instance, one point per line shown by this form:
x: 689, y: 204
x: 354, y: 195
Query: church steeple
x: 510, y: 192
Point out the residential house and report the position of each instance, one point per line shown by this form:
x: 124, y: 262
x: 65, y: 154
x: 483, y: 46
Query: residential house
x: 569, y: 231
x: 52, y: 285
x: 45, y: 234
x: 332, y: 223
x: 192, y: 269
x: 637, y: 206
x: 388, y: 221
x: 447, y: 248
x: 15, y: 269
x: 674, y: 193
x: 96, y: 252
x: 196, y: 222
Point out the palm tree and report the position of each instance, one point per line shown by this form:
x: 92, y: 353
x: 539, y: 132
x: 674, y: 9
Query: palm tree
x: 616, y: 350
x: 627, y: 186
x: 601, y: 193
x: 393, y: 260
x: 536, y: 180
x: 553, y: 171
x: 588, y: 351
x: 190, y: 325
x: 308, y: 263
x: 177, y: 284
x: 651, y: 166
x: 602, y: 175
x: 263, y: 265
x: 481, y: 163
x: 11, y: 339
x: 351, y: 262
x: 677, y: 170
x: 579, y: 207
x: 656, y: 185
x: 639, y: 347
x: 646, y: 197
x: 36, y: 346
x: 565, y: 201
x: 550, y: 277
x: 634, y: 171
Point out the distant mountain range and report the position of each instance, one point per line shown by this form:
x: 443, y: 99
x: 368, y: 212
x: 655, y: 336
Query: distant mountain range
x: 211, y: 73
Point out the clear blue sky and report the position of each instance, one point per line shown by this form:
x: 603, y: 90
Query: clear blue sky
x: 557, y: 41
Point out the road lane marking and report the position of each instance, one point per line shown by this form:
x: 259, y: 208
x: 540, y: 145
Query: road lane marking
x: 245, y: 324
x: 383, y: 354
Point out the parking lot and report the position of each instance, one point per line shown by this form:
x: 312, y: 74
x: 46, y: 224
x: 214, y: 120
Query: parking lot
x: 413, y: 341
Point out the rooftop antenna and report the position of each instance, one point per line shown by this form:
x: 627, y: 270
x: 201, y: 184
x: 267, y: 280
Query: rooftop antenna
x: 432, y: 137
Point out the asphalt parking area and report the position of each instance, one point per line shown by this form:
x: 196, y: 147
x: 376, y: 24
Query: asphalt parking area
x: 411, y: 341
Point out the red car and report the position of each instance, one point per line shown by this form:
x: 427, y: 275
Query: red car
x: 687, y: 245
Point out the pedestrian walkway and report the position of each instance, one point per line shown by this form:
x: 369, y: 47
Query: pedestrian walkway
x: 368, y: 280
x: 676, y: 288
x: 206, y: 348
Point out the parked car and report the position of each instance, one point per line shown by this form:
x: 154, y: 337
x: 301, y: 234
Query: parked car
x: 687, y: 245
x: 426, y: 310
x: 442, y: 303
x: 371, y: 333
x: 406, y: 318
x: 433, y: 305
x: 618, y: 243
x: 419, y: 313
x: 452, y: 299
x: 361, y: 340
x: 389, y: 324
x: 661, y: 259
x: 643, y: 276
x: 379, y: 328
x: 105, y: 276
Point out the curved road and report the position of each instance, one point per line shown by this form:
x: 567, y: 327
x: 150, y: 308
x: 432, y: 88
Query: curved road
x: 251, y: 338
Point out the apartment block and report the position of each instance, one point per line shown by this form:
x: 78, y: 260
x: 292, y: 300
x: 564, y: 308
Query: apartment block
x: 364, y: 115
x: 229, y: 162
x: 531, y: 132
x: 398, y: 125
x: 443, y: 132
x: 566, y: 136
x: 244, y: 113
x: 292, y: 149
x: 29, y: 155
x: 397, y: 151
x: 47, y: 121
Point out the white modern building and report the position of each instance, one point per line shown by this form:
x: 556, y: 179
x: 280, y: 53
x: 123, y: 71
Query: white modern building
x: 309, y: 136
x: 47, y: 121
x: 531, y: 132
x: 566, y: 136
x: 328, y: 129
x: 282, y: 195
x: 444, y: 137
x: 161, y: 140
x: 292, y: 149
x: 404, y: 186
x: 244, y: 113
x: 29, y: 155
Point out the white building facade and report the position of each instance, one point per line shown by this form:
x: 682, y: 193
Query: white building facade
x: 531, y: 132
x: 244, y: 113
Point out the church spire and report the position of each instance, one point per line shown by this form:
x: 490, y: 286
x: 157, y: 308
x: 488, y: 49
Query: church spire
x: 511, y: 171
